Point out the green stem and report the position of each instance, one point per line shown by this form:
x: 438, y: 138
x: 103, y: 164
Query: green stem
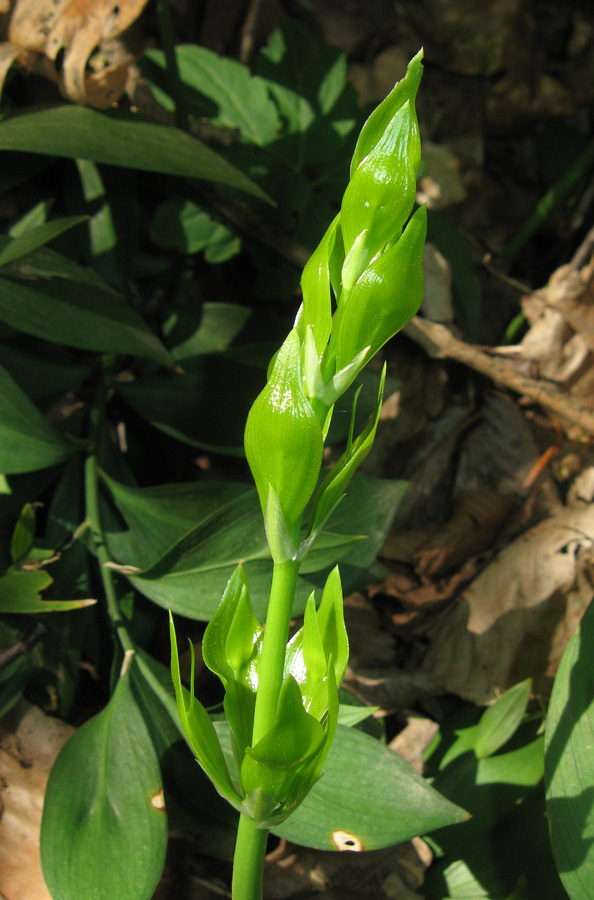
x: 103, y: 557
x: 274, y: 646
x: 248, y: 863
x: 250, y: 847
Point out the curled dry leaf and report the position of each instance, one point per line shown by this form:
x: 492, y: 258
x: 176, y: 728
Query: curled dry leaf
x: 88, y: 32
x: 29, y: 744
x: 516, y: 617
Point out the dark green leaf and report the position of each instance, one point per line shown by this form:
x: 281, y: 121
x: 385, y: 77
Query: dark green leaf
x: 120, y: 140
x: 27, y: 440
x: 77, y: 315
x: 105, y: 792
x: 204, y: 406
x: 22, y: 536
x: 36, y: 237
x: 569, y: 763
x: 43, y: 372
x: 369, y: 796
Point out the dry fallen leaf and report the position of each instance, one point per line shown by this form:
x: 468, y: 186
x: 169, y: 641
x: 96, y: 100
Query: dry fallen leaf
x: 96, y: 60
x: 516, y: 617
x: 29, y: 744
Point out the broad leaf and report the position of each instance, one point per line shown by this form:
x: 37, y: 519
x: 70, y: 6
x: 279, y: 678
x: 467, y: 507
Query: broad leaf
x: 120, y: 140
x: 104, y: 793
x: 27, y: 440
x: 241, y: 99
x: 368, y: 798
x: 569, y: 763
x: 19, y: 593
x: 78, y: 315
x: 204, y: 406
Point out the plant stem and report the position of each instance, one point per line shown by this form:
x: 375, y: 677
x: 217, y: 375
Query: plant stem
x: 274, y: 646
x: 248, y: 862
x: 250, y: 847
x: 92, y: 510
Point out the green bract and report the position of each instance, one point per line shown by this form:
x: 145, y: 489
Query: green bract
x: 277, y: 773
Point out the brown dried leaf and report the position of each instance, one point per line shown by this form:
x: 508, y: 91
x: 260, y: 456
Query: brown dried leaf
x: 515, y: 619
x: 29, y: 744
x: 96, y: 61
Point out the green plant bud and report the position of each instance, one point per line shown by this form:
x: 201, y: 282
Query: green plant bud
x: 316, y: 309
x: 380, y: 195
x: 279, y: 771
x: 321, y: 642
x: 283, y: 437
x: 377, y: 123
x: 385, y: 297
x: 230, y: 649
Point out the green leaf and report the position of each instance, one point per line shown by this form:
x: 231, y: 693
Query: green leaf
x: 198, y: 728
x: 190, y: 576
x: 159, y: 517
x: 191, y: 799
x: 500, y: 721
x: 368, y: 795
x: 27, y: 440
x: 36, y: 237
x: 569, y: 763
x: 204, y: 406
x: 186, y: 540
x: 119, y: 140
x: 183, y: 225
x: 488, y: 788
x: 104, y: 791
x: 241, y: 98
x: 78, y: 315
x: 44, y: 372
x: 23, y: 534
x: 19, y: 593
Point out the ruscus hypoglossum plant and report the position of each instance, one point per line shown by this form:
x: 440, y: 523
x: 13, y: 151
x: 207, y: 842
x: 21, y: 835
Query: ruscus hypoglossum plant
x: 361, y: 285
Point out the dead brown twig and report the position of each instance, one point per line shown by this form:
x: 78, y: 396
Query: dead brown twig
x: 439, y: 342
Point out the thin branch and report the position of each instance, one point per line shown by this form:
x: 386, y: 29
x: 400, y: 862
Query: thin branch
x: 438, y: 341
